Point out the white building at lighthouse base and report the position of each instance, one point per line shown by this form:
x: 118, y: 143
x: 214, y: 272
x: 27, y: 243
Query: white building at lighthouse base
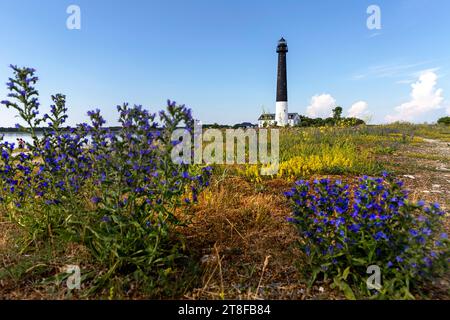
x: 269, y: 120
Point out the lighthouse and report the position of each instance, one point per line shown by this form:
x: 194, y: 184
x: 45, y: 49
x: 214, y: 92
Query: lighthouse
x: 281, y: 110
x: 281, y: 117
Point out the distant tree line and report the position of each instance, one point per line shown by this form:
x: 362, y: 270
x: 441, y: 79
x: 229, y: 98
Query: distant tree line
x: 41, y: 129
x: 444, y: 121
x: 14, y: 129
x: 335, y: 120
x: 242, y: 125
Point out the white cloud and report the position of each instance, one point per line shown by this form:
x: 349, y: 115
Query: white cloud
x: 359, y: 110
x: 419, y: 73
x: 405, y: 81
x: 425, y: 97
x: 321, y: 106
x: 412, y: 77
x: 392, y: 71
x: 376, y: 34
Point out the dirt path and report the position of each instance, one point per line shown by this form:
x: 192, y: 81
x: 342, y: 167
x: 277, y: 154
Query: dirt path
x: 425, y: 168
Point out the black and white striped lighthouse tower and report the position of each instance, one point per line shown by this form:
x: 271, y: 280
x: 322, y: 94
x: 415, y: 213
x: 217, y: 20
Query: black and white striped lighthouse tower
x: 281, y: 113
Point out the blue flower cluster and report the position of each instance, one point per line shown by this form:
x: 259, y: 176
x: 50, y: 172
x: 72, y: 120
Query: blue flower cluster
x: 117, y: 191
x: 371, y: 222
x: 124, y: 171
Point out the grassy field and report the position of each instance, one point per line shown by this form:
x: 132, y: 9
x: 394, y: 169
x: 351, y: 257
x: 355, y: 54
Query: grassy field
x: 238, y: 242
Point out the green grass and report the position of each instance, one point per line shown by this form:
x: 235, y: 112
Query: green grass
x: 427, y: 157
x: 39, y: 269
x: 439, y: 132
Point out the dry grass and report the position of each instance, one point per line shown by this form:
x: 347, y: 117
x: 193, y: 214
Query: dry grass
x: 22, y: 275
x: 247, y: 248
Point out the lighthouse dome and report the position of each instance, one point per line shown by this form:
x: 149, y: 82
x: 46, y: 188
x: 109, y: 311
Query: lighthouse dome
x: 282, y: 45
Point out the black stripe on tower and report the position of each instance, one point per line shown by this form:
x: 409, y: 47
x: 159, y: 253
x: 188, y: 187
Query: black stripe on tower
x: 282, y: 49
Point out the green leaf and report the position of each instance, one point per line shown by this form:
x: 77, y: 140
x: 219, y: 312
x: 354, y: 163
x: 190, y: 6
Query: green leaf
x: 345, y: 273
x: 348, y: 292
x: 313, y: 277
x: 359, y: 261
x: 344, y: 287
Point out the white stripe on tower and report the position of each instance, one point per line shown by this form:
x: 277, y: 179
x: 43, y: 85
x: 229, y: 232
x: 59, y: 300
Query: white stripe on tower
x: 281, y: 113
x: 281, y: 109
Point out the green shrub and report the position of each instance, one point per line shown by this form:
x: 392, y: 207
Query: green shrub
x: 344, y: 230
x: 444, y: 121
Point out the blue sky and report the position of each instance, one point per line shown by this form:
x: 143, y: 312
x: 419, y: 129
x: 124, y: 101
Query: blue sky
x: 218, y: 56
